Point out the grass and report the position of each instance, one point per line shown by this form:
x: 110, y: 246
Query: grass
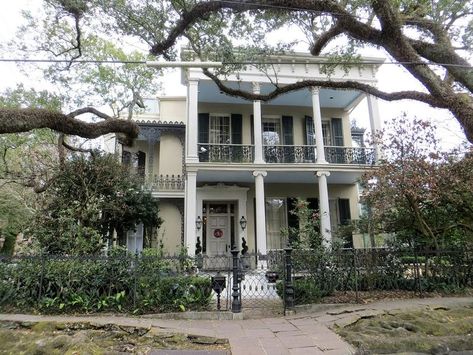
x: 87, y: 338
x: 437, y: 330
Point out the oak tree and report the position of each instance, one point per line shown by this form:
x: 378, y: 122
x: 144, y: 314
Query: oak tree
x: 431, y: 39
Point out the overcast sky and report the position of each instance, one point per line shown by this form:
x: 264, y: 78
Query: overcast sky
x: 390, y: 78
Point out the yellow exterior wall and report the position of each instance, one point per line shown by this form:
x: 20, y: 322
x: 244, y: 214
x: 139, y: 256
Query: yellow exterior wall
x: 170, y: 155
x: 172, y: 109
x: 170, y: 231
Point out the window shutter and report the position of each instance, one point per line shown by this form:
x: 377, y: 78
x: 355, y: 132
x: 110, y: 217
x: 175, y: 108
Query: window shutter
x: 309, y: 131
x: 252, y: 120
x: 236, y: 123
x: 141, y: 163
x: 287, y: 130
x: 313, y: 203
x: 203, y: 124
x: 344, y: 210
x: 337, y: 132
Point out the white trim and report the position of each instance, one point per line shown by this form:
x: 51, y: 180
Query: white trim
x: 222, y: 192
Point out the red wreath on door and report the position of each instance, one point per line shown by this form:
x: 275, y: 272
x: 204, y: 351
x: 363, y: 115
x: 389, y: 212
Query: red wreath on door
x: 218, y: 233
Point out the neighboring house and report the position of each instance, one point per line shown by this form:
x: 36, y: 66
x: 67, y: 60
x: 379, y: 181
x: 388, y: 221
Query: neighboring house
x: 225, y: 169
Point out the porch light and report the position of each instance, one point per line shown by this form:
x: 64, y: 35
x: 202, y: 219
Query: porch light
x: 243, y: 223
x: 198, y: 223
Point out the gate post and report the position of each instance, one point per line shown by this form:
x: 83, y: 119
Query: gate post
x: 236, y: 297
x: 288, y: 286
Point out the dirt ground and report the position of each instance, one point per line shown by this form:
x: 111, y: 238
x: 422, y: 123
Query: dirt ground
x: 437, y: 330
x: 87, y: 338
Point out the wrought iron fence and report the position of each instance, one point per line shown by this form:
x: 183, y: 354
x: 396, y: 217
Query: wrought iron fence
x: 319, y: 273
x: 227, y: 153
x: 121, y: 283
x: 154, y: 282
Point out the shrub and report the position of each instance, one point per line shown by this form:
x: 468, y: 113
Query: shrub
x: 120, y: 283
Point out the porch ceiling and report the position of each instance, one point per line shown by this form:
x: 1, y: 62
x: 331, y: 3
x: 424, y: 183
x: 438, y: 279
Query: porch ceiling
x: 209, y: 92
x: 275, y: 177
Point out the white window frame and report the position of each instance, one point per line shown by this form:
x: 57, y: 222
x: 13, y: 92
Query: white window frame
x: 229, y: 126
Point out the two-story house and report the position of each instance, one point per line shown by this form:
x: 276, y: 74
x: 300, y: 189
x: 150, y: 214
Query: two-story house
x: 227, y: 171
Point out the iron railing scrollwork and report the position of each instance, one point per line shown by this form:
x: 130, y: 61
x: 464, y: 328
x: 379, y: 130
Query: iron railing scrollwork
x: 350, y: 155
x: 167, y: 183
x: 228, y: 153
x: 289, y: 153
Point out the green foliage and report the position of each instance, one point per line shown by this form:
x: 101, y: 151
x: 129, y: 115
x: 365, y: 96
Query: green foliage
x: 89, y: 199
x: 420, y: 194
x: 119, y: 283
x: 307, y: 233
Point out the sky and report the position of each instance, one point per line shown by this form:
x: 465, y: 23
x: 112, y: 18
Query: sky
x: 390, y: 78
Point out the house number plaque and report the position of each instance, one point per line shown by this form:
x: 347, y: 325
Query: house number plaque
x: 218, y: 233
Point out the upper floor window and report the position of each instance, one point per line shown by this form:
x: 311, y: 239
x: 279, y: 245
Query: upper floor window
x: 332, y: 131
x: 220, y: 130
x: 271, y: 131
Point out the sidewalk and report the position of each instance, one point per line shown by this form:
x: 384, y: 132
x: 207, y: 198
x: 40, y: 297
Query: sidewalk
x: 303, y: 333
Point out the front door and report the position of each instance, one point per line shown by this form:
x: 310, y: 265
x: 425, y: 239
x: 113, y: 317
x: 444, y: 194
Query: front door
x: 218, y: 232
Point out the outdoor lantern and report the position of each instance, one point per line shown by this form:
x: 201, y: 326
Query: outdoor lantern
x: 198, y: 223
x: 243, y: 222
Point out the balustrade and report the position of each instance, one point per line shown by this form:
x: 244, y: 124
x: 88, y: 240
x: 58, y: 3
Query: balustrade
x: 229, y: 153
x: 285, y: 154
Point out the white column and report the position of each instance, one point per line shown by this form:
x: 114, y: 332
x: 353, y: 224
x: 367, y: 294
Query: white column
x: 190, y: 212
x: 260, y: 211
x: 192, y: 132
x: 319, y: 139
x: 257, y: 127
x: 375, y: 122
x: 324, y: 207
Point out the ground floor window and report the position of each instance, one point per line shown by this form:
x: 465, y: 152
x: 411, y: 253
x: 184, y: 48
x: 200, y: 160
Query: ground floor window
x: 276, y: 222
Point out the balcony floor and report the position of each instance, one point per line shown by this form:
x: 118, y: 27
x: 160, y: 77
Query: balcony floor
x: 275, y: 176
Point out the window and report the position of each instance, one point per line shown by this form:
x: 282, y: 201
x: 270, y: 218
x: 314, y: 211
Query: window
x: 275, y: 221
x: 271, y: 131
x: 219, y: 131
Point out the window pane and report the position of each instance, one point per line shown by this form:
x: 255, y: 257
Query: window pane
x: 326, y: 133
x: 271, y: 131
x: 219, y: 129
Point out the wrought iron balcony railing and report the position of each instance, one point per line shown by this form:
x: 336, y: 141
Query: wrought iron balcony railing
x: 289, y: 153
x: 166, y: 183
x: 350, y: 155
x: 284, y: 154
x: 228, y: 153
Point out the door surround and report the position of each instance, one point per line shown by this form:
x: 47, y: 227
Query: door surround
x: 222, y: 192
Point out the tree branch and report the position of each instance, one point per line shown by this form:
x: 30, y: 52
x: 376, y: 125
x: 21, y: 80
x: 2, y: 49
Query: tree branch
x: 325, y: 38
x: 23, y: 120
x: 342, y: 85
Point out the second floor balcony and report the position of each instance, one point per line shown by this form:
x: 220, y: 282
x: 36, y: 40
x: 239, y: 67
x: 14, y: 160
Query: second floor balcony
x: 284, y: 154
